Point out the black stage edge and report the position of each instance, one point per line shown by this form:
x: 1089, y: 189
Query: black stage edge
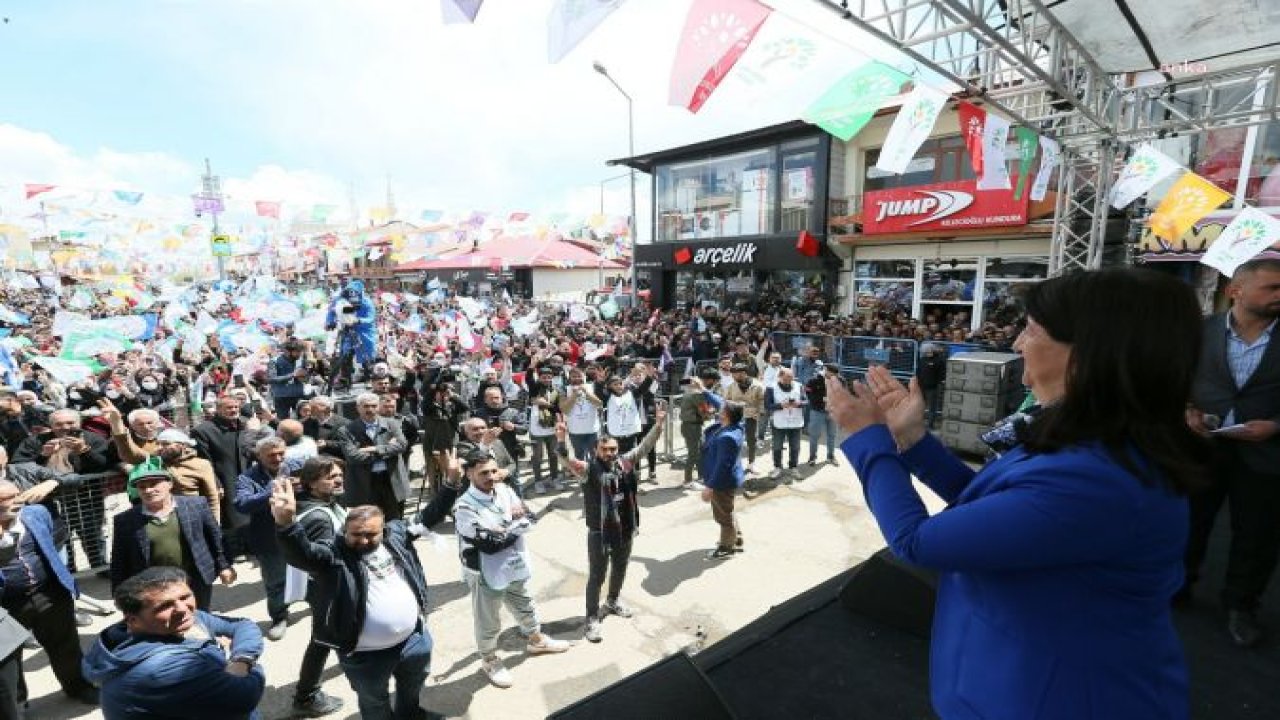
x: 854, y: 647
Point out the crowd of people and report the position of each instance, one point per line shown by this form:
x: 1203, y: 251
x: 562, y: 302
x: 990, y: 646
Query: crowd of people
x: 228, y: 452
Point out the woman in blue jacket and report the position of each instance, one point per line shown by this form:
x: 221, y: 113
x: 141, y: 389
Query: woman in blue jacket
x: 1057, y: 560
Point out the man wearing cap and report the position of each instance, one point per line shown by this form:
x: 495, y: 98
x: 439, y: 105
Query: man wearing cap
x: 164, y: 529
x: 192, y: 475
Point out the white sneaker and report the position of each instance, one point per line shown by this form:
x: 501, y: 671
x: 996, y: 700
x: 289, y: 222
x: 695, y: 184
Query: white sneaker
x: 546, y: 646
x: 498, y: 673
x: 694, y: 485
x: 592, y: 633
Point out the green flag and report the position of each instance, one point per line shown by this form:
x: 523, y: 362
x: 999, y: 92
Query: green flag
x: 83, y: 345
x: 847, y: 106
x: 1027, y: 144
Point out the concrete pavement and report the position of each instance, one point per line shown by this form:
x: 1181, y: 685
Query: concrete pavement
x: 796, y: 536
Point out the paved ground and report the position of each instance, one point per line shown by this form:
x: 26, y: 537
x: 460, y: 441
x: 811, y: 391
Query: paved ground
x: 797, y: 535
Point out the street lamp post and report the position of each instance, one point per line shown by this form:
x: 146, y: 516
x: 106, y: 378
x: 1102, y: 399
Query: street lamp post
x: 631, y: 152
x: 211, y: 195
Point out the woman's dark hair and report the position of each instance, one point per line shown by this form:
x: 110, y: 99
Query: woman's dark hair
x: 1135, y: 340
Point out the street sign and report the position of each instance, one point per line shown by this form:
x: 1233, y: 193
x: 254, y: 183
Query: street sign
x: 221, y: 245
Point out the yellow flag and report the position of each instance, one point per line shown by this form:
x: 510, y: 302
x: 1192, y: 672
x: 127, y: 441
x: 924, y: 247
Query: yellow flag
x: 1190, y: 199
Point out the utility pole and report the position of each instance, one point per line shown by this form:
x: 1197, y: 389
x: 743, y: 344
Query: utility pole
x: 210, y: 200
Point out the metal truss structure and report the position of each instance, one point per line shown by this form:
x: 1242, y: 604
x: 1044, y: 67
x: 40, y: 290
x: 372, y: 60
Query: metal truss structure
x: 1020, y: 60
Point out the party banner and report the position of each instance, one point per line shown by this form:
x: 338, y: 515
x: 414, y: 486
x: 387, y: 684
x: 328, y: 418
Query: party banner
x: 66, y: 372
x: 848, y: 105
x: 1191, y: 198
x: 128, y: 198
x: 995, y: 168
x: 571, y: 21
x: 1027, y: 145
x: 972, y: 120
x: 911, y: 127
x: 34, y: 189
x: 266, y: 208
x: 716, y: 33
x: 83, y: 345
x: 1146, y: 167
x: 788, y: 57
x: 1050, y: 156
x: 1251, y: 232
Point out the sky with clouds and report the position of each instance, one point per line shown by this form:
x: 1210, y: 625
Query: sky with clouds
x: 307, y: 101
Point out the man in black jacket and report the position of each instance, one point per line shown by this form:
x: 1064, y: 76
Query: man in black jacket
x: 369, y: 572
x: 66, y: 448
x: 227, y: 443
x: 498, y: 414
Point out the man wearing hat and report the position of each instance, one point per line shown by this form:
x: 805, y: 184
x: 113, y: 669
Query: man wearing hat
x: 192, y: 474
x: 167, y: 529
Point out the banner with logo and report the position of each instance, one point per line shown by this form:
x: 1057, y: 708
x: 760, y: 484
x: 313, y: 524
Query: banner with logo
x: 1251, y: 232
x: 1027, y: 145
x: 716, y: 33
x: 1050, y: 156
x: 911, y: 127
x: 1146, y: 167
x: 995, y: 169
x: 1191, y: 198
x: 948, y: 206
x: 848, y: 105
x: 972, y: 120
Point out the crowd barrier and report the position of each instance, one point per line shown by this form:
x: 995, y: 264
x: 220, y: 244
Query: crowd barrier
x: 857, y: 354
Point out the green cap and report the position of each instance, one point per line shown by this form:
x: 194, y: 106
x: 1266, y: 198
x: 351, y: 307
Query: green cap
x: 151, y: 467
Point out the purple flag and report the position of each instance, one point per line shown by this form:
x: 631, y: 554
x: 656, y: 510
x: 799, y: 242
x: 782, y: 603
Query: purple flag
x: 207, y: 204
x: 460, y: 11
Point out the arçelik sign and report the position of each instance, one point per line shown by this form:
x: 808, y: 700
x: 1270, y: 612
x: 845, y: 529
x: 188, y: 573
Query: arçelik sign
x: 954, y: 205
x: 743, y: 253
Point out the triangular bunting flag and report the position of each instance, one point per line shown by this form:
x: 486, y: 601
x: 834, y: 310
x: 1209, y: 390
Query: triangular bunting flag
x: 716, y: 33
x: 267, y: 208
x: 128, y: 198
x: 34, y: 189
x: 571, y: 21
x: 460, y: 11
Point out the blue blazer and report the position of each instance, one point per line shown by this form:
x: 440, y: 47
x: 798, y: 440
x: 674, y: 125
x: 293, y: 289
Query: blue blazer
x: 37, y: 521
x: 1056, y: 572
x: 721, y: 447
x: 131, y: 551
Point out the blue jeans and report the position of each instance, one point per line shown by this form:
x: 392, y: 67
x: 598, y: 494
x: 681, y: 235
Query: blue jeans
x: 819, y: 422
x: 584, y: 446
x: 271, y: 562
x: 370, y: 673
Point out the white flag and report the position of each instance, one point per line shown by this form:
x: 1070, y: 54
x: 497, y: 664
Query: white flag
x: 572, y: 20
x: 1145, y: 168
x: 1249, y: 234
x: 995, y: 168
x: 911, y: 127
x: 1050, y: 155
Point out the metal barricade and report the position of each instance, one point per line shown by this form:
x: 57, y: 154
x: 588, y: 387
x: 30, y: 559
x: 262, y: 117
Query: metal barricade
x: 794, y: 344
x: 953, y: 348
x: 858, y: 353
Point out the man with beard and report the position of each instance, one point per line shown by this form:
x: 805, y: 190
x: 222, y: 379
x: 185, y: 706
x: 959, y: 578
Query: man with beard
x: 226, y: 441
x: 786, y: 402
x: 1238, y: 382
x: 372, y: 446
x: 409, y: 426
x: 749, y: 392
x: 192, y: 474
x: 163, y: 529
x: 68, y: 449
x: 323, y: 425
x: 544, y: 413
x: 497, y: 413
x: 622, y: 416
x: 612, y: 512
x: 253, y: 498
x: 643, y: 383
x: 369, y: 598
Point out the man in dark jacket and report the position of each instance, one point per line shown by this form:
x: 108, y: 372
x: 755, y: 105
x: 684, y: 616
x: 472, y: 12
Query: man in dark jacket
x: 253, y: 498
x: 66, y: 448
x: 323, y: 425
x: 497, y: 413
x: 168, y: 529
x: 226, y: 442
x: 368, y: 573
x: 372, y: 447
x: 931, y: 374
x: 441, y: 411
x: 165, y: 659
x: 287, y: 375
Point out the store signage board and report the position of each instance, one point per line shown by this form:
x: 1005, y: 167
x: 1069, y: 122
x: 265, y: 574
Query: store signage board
x: 957, y: 205
x: 741, y: 254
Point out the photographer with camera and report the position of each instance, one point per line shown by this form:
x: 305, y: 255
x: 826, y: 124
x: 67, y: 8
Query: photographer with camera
x: 441, y: 411
x: 287, y: 375
x: 351, y: 313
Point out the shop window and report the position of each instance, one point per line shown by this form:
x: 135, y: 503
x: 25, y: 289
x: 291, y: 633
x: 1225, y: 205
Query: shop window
x: 1263, y: 183
x: 938, y: 160
x: 885, y: 297
x: 799, y: 165
x: 782, y: 290
x: 722, y: 197
x: 885, y: 269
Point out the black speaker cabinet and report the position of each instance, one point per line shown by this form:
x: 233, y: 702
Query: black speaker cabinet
x: 671, y: 688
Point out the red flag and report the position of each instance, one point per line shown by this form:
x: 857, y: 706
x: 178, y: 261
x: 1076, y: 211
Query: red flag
x: 972, y: 121
x: 268, y: 209
x: 34, y: 189
x: 518, y: 217
x: 716, y: 33
x: 808, y: 244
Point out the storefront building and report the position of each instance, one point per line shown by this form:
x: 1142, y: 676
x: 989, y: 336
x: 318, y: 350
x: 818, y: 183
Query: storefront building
x: 727, y: 217
x: 928, y: 244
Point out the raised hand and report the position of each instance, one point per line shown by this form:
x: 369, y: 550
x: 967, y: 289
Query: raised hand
x: 562, y: 431
x: 852, y: 411
x: 903, y: 406
x: 284, y: 505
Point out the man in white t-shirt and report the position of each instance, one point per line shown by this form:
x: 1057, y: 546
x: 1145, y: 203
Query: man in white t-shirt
x: 581, y: 408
